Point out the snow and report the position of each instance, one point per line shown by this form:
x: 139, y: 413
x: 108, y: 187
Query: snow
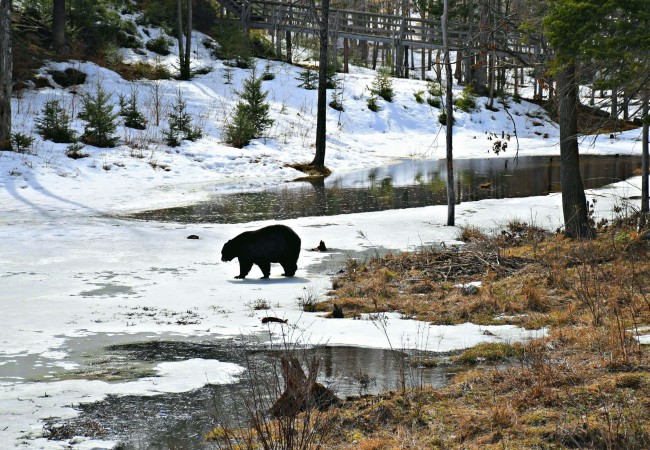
x: 69, y: 268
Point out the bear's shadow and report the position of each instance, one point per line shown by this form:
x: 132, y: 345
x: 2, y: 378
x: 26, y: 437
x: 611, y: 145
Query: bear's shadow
x: 271, y: 280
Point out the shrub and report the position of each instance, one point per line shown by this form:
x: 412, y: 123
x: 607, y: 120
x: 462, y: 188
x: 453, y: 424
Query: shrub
x: 435, y: 89
x: 94, y: 24
x: 233, y: 45
x: 54, y: 123
x: 140, y: 70
x: 372, y: 103
x: 434, y: 102
x: 180, y: 124
x: 100, y: 119
x: 442, y: 118
x: 159, y: 45
x: 74, y: 151
x: 382, y: 85
x: 419, y: 96
x: 467, y: 100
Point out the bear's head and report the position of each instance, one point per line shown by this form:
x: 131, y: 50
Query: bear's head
x: 228, y: 252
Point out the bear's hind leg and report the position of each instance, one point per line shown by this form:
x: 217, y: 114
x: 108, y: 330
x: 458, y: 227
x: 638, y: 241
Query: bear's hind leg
x: 265, y: 267
x: 244, y: 267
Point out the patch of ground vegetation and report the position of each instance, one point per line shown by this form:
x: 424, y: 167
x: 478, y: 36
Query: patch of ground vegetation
x: 585, y: 385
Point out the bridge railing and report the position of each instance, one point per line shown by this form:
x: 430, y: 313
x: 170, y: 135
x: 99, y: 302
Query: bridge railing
x: 378, y: 27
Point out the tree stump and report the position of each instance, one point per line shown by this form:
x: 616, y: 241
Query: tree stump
x: 301, y: 392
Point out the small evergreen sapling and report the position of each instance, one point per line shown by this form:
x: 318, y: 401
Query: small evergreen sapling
x: 308, y: 78
x: 372, y: 103
x: 268, y: 74
x: 133, y: 118
x: 228, y: 73
x: 382, y: 85
x: 252, y: 102
x: 337, y: 99
x: 100, y: 119
x: 251, y: 116
x: 21, y: 143
x: 54, y: 123
x: 180, y: 124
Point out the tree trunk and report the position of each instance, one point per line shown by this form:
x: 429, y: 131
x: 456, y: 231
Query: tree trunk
x: 451, y: 197
x: 188, y: 41
x: 321, y: 113
x: 480, y: 73
x: 6, y: 66
x: 574, y: 202
x: 58, y: 28
x: 179, y: 25
x: 289, y: 49
x: 644, y: 154
x: 469, y: 57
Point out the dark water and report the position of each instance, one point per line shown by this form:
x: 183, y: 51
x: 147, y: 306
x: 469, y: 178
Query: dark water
x: 181, y: 420
x: 409, y: 184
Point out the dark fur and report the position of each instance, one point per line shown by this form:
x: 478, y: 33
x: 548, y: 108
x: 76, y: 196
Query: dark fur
x: 272, y: 244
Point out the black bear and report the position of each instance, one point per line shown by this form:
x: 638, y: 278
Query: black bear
x: 272, y: 244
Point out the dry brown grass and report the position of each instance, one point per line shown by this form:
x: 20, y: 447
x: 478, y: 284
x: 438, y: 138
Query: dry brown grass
x: 585, y: 385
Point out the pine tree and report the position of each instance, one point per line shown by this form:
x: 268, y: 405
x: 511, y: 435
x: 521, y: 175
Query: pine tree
x: 54, y: 123
x: 180, y: 124
x: 382, y: 85
x: 133, y: 118
x: 252, y: 104
x: 308, y: 78
x: 100, y: 119
x: 251, y: 116
x: 240, y: 131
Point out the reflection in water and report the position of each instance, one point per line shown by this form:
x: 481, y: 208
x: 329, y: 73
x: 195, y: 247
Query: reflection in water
x: 409, y: 184
x: 181, y: 420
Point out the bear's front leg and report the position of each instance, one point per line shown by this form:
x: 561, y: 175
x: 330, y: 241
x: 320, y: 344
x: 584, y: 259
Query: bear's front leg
x: 244, y: 267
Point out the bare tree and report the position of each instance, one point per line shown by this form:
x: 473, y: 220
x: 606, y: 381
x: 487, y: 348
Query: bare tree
x: 449, y: 113
x: 6, y: 66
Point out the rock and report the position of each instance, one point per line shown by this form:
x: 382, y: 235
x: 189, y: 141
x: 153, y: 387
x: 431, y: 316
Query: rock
x: 271, y: 319
x: 68, y: 77
x: 193, y: 236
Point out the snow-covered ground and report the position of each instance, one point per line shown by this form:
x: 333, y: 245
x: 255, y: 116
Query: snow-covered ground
x: 69, y: 269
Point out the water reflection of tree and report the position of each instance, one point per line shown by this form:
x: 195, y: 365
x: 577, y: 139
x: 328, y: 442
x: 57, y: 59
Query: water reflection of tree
x: 535, y: 176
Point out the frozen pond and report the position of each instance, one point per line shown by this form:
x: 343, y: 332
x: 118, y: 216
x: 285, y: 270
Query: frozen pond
x: 409, y: 184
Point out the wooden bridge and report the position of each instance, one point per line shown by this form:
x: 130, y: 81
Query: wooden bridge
x: 502, y: 38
